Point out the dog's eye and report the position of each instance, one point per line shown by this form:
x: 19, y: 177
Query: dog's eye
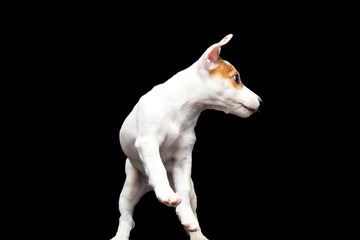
x: 236, y: 78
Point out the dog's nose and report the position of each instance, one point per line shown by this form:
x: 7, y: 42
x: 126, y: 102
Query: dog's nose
x: 260, y: 105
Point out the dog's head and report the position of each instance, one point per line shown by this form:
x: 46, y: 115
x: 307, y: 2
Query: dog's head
x: 224, y: 83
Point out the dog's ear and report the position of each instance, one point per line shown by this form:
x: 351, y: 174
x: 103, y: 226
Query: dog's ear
x: 211, y: 55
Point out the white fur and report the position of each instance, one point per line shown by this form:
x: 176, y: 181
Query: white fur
x: 158, y: 137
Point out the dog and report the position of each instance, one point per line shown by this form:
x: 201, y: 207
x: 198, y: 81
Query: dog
x: 158, y: 135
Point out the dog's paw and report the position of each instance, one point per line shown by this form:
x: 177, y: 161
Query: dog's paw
x: 190, y: 224
x: 187, y: 219
x: 168, y: 197
x: 192, y: 227
x: 197, y: 236
x: 119, y: 238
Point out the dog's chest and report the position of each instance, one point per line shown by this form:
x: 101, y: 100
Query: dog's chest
x: 172, y: 133
x: 177, y: 138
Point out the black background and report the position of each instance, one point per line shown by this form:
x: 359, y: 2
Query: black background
x: 254, y: 177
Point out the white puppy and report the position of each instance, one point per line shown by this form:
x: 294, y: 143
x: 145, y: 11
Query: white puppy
x: 158, y: 135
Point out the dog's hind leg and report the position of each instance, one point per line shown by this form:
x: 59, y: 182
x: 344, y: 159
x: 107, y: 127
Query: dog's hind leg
x: 135, y: 187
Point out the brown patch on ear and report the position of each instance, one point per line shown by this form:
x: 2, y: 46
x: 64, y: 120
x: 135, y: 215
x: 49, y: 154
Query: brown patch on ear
x: 227, y: 72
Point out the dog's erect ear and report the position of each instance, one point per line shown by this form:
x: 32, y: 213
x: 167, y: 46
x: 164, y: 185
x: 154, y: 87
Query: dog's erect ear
x: 211, y: 55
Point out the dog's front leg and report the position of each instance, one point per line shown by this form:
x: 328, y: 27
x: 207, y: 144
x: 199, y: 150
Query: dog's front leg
x: 181, y: 174
x: 155, y: 170
x: 186, y: 210
x: 182, y: 183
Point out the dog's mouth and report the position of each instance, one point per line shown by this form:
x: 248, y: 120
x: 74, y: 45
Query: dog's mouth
x: 242, y: 107
x: 249, y: 109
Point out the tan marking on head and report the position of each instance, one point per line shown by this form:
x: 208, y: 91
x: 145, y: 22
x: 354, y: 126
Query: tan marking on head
x: 226, y: 71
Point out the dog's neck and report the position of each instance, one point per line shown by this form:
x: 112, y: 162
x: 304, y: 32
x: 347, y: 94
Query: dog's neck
x: 193, y: 94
